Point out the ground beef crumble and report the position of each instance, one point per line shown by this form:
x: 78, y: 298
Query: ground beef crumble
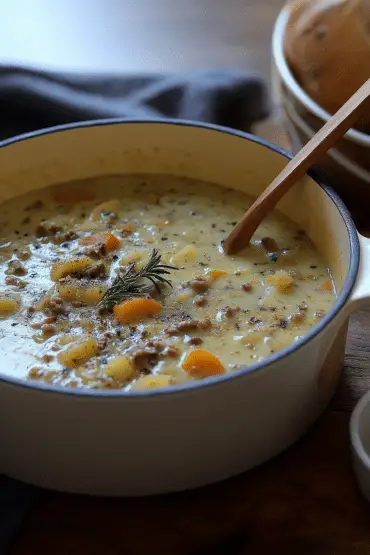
x: 189, y: 325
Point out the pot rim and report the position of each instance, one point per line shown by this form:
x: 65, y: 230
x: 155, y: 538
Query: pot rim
x: 348, y: 286
x: 292, y: 84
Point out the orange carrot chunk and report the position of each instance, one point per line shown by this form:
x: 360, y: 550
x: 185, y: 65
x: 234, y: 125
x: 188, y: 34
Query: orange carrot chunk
x: 106, y: 238
x: 326, y: 285
x: 200, y: 363
x: 214, y: 275
x: 129, y: 312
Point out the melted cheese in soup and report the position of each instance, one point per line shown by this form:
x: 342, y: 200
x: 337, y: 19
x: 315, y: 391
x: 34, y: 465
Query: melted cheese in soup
x: 62, y: 249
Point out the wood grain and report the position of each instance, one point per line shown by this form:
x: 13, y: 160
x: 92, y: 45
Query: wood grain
x: 304, y: 502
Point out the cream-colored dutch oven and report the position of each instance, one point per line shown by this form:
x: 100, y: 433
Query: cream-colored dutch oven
x: 113, y: 443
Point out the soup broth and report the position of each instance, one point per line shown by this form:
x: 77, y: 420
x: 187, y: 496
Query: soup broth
x: 83, y: 302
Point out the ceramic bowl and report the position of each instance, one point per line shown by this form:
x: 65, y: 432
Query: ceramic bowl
x: 360, y: 443
x: 347, y: 167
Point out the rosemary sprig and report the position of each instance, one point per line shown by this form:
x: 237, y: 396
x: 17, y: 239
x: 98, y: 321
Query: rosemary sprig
x: 129, y: 284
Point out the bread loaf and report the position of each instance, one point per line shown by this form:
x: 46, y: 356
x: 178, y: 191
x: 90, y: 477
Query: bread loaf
x: 327, y: 46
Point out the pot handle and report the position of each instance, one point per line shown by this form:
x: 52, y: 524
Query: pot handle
x: 360, y: 295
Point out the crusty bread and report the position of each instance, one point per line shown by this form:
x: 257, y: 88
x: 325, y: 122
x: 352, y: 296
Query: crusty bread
x: 327, y: 46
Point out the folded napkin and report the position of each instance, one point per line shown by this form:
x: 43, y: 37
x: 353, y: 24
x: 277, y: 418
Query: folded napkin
x: 31, y: 100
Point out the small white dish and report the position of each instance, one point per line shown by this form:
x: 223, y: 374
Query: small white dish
x: 360, y: 443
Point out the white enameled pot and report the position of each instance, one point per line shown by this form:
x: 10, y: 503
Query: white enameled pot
x: 113, y: 443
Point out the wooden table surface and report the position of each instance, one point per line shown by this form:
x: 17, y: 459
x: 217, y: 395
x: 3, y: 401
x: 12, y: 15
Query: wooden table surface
x: 304, y: 502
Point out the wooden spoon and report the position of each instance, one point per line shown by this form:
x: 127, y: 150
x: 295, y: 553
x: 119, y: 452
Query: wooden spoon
x: 320, y: 143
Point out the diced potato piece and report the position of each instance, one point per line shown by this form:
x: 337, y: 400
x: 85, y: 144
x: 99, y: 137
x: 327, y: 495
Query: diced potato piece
x: 78, y: 353
x: 68, y: 292
x: 66, y: 339
x: 107, y: 206
x: 138, y: 256
x: 186, y: 255
x: 85, y: 323
x: 35, y: 373
x: 92, y: 295
x: 153, y: 382
x: 71, y: 266
x: 282, y: 280
x: 183, y: 296
x: 88, y: 295
x: 120, y: 368
x: 8, y: 304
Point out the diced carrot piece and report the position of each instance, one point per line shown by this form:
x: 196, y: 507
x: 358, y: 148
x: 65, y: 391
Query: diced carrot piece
x: 106, y: 238
x: 214, y: 275
x: 112, y: 242
x: 326, y: 286
x: 200, y: 363
x: 72, y: 195
x: 135, y: 310
x: 127, y: 228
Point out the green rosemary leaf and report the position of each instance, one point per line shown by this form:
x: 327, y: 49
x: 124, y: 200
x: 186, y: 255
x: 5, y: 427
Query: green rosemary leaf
x: 129, y: 284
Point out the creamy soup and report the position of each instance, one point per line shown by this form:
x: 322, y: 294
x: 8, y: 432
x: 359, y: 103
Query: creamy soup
x: 83, y: 299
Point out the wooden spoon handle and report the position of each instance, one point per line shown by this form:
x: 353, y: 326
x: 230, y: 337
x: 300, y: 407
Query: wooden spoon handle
x: 320, y: 143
